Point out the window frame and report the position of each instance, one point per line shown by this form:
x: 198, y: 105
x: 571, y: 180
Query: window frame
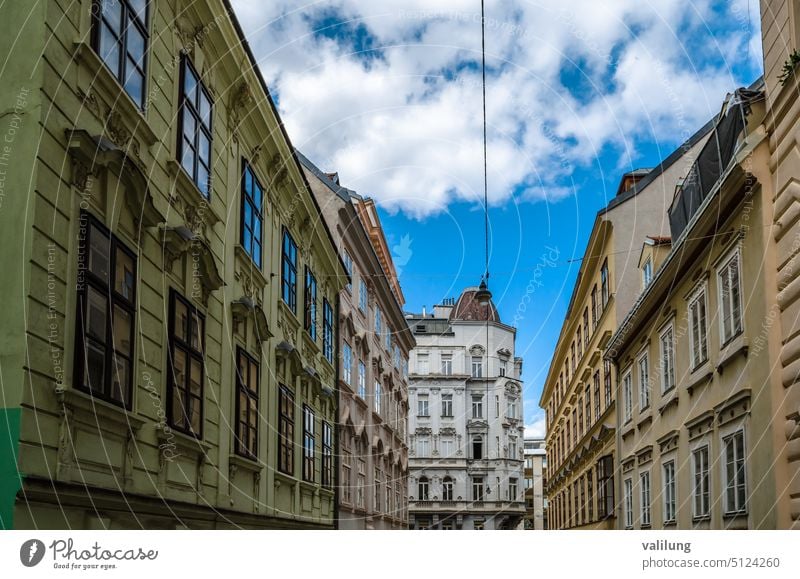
x: 327, y: 454
x: 285, y: 432
x: 627, y: 494
x: 309, y: 443
x: 447, y: 406
x: 310, y: 304
x: 644, y: 499
x: 191, y: 354
x: 627, y: 396
x: 347, y: 363
x: 670, y: 492
x: 667, y: 369
x: 200, y: 127
x: 698, y: 296
x: 643, y: 373
x: 257, y: 211
x: 289, y: 270
x: 327, y: 330
x: 733, y: 257
x: 739, y: 509
x: 252, y: 397
x: 701, y: 483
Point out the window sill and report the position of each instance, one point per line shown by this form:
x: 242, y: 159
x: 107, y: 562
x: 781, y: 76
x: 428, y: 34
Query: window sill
x: 169, y: 437
x: 188, y: 191
x: 97, y: 411
x: 250, y: 266
x: 701, y: 378
x: 672, y: 400
x: 732, y: 349
x: 245, y: 463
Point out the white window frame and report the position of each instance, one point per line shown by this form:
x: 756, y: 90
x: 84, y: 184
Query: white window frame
x: 423, y: 446
x: 423, y: 406
x: 645, y: 394
x: 447, y: 405
x: 732, y: 256
x: 628, y: 502
x: 347, y: 363
x: 647, y: 272
x: 378, y: 397
x: 698, y: 493
x: 477, y: 366
x: 362, y: 380
x: 670, y: 491
x: 627, y: 395
x: 423, y: 363
x: 739, y: 509
x: 447, y: 447
x: 698, y: 358
x: 667, y: 366
x: 644, y: 498
x: 447, y: 364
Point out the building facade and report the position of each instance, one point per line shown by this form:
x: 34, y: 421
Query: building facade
x: 164, y: 364
x: 696, y: 390
x: 465, y: 423
x: 579, y: 395
x: 374, y: 343
x: 535, y: 473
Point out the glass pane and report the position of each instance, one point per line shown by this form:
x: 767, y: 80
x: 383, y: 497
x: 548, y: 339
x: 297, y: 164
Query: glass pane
x: 122, y: 331
x: 204, y: 148
x: 112, y: 14
x: 95, y: 366
x: 189, y: 83
x: 243, y: 406
x: 109, y: 49
x: 135, y: 45
x: 248, y: 180
x: 202, y: 179
x: 189, y: 125
x: 196, y: 329
x: 177, y: 407
x: 120, y: 379
x: 99, y: 253
x: 188, y: 160
x: 134, y: 83
x: 257, y: 253
x: 181, y: 321
x: 139, y: 8
x: 95, y: 314
x: 193, y: 412
x: 195, y: 383
x: 248, y: 212
x: 179, y: 368
x: 246, y: 238
x: 257, y: 196
x: 253, y: 377
x: 124, y: 275
x: 205, y: 109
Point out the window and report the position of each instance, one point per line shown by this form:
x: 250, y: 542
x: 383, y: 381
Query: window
x: 730, y: 296
x: 388, y: 340
x: 513, y: 493
x: 595, y: 305
x: 477, y: 407
x: 702, y: 504
x: 477, y: 489
x: 119, y: 37
x: 194, y: 143
x: 310, y: 306
x: 503, y: 365
x: 347, y: 458
x: 327, y: 330
x: 423, y: 409
x: 186, y: 380
x: 605, y: 487
x: 604, y: 283
x: 246, y: 440
x: 597, y: 395
x: 512, y: 449
x: 735, y: 483
x: 478, y: 526
x: 477, y: 367
x: 669, y: 491
x: 396, y: 356
x: 423, y: 446
x: 308, y: 444
x: 590, y: 494
x: 252, y: 225
x: 511, y: 408
x: 106, y: 308
x: 588, y: 402
x: 447, y: 364
x: 378, y: 485
x: 423, y: 489
x: 607, y: 381
x: 378, y: 400
x: 447, y: 489
x: 477, y: 447
x: 327, y: 455
x: 667, y: 360
x: 285, y: 430
x: 644, y: 498
x: 289, y: 271
x: 362, y: 380
x: 422, y: 364
x: 347, y: 363
x: 628, y: 503
x: 586, y: 329
x: 644, y: 382
x: 647, y: 273
x: 362, y: 296
x: 580, y: 343
x: 361, y: 481
x: 627, y: 396
x: 378, y: 322
x: 697, y: 322
x: 447, y: 447
x: 572, y: 351
x: 447, y: 405
x: 348, y: 266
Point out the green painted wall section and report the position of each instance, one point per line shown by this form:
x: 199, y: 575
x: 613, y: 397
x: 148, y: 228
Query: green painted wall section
x: 10, y: 478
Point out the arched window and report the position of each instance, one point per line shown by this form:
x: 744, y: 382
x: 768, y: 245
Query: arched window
x: 447, y: 489
x: 423, y: 489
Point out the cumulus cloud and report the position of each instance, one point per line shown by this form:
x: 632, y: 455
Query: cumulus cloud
x: 536, y: 429
x: 388, y: 93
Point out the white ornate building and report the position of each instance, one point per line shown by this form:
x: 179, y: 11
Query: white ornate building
x: 465, y: 419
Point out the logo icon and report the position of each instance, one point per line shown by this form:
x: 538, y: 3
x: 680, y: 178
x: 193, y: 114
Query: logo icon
x: 32, y: 552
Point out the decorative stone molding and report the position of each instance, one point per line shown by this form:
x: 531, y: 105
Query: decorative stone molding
x: 245, y: 309
x: 177, y: 241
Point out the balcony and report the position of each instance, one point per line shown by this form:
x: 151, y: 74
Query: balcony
x: 471, y: 506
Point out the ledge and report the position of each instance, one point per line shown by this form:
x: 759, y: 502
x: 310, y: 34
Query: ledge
x: 703, y: 378
x: 734, y: 348
x: 103, y: 413
x: 245, y: 463
x: 673, y: 399
x: 190, y: 193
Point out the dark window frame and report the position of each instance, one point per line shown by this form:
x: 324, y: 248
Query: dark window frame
x: 327, y: 454
x: 243, y: 390
x: 285, y: 430
x: 310, y: 304
x: 327, y: 330
x: 194, y: 315
x: 289, y: 270
x: 309, y: 443
x: 194, y: 110
x: 252, y: 198
x: 128, y: 17
x: 113, y: 300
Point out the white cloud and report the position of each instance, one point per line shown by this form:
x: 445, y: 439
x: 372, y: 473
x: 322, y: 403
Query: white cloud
x: 404, y: 126
x: 537, y: 429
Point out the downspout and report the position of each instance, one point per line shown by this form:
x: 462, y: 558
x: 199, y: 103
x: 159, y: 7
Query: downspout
x: 337, y: 398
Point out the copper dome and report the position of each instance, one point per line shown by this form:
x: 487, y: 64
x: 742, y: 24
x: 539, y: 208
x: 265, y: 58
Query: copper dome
x: 469, y: 309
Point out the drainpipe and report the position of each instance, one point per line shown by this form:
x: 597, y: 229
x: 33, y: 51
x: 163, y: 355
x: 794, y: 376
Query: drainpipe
x: 337, y: 398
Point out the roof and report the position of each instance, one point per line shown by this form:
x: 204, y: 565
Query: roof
x: 325, y: 178
x: 469, y: 309
x: 660, y: 239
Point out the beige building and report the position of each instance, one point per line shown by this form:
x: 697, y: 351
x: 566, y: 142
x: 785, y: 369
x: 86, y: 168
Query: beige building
x: 695, y: 389
x: 535, y: 472
x: 374, y: 342
x: 165, y: 362
x: 579, y: 395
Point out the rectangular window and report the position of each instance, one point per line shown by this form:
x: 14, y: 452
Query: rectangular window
x: 588, y: 402
x: 119, y: 37
x: 348, y: 266
x: 697, y: 322
x: 477, y: 489
x: 580, y: 343
x: 310, y: 305
x: 503, y: 366
x: 285, y: 430
x: 607, y: 382
x: 702, y: 486
x: 513, y: 493
x: 309, y: 442
x: 447, y: 405
x: 447, y: 448
x: 735, y: 480
x: 195, y: 135
x: 327, y: 455
x: 627, y: 396
x: 477, y: 367
x: 252, y: 224
x: 289, y: 271
x: 604, y: 291
x: 362, y: 380
x: 362, y: 296
x: 186, y: 375
x: 595, y: 305
x: 423, y: 446
x: 605, y: 487
x: 644, y: 382
x: 327, y: 330
x: 511, y: 408
x: 378, y: 322
x: 667, y: 346
x: 422, y: 364
x: 361, y: 483
x: 730, y: 298
x: 104, y: 350
x: 586, y: 332
x: 347, y: 363
x: 477, y: 406
x: 647, y: 273
x: 347, y: 462
x: 628, y: 503
x: 423, y: 409
x: 668, y: 473
x: 644, y: 498
x: 597, y: 395
x: 447, y: 364
x: 247, y: 378
x: 590, y: 494
x: 378, y: 401
x: 378, y: 487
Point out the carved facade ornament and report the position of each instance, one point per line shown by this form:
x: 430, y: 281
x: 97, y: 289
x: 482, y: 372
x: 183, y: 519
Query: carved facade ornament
x: 240, y: 101
x: 90, y: 101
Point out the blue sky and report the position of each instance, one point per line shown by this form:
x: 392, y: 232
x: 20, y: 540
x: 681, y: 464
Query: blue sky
x: 388, y: 95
